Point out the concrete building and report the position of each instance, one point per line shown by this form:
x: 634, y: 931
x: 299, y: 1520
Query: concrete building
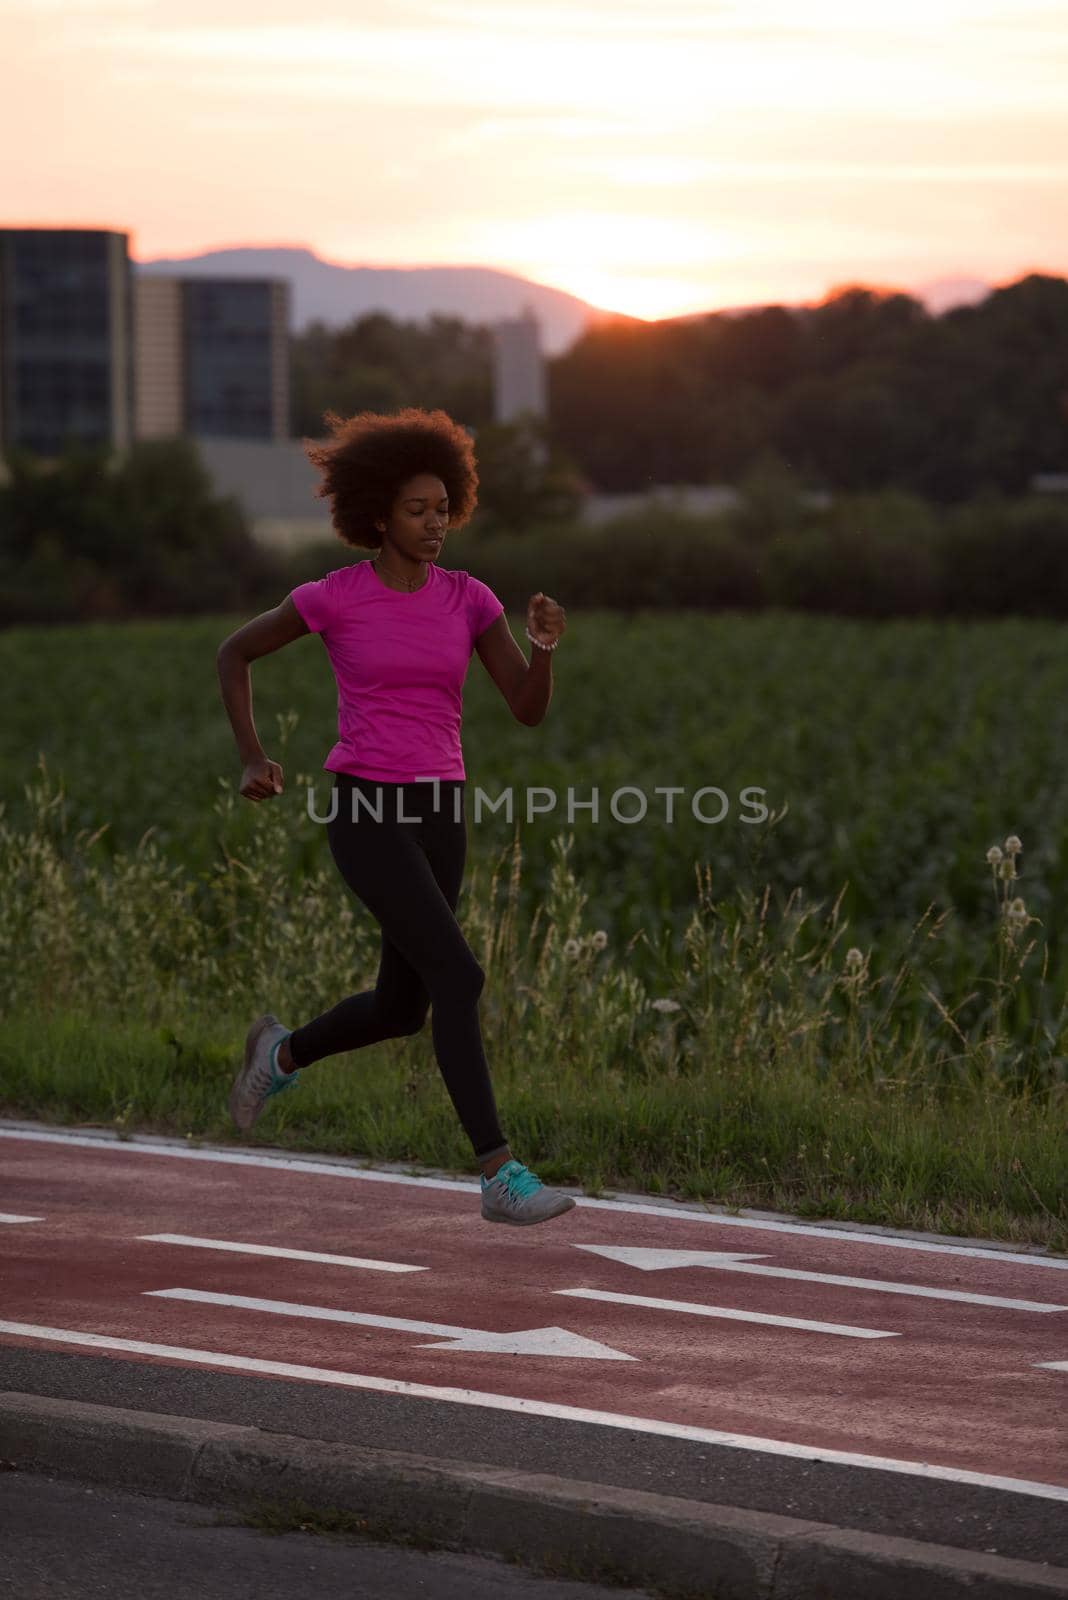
x: 275, y: 483
x: 212, y: 357
x: 66, y: 339
x: 519, y: 377
x: 159, y: 358
x: 688, y: 499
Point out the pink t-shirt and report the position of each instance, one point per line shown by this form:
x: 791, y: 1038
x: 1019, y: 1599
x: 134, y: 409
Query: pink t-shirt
x: 400, y: 661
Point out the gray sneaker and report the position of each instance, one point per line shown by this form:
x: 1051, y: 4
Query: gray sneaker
x: 259, y: 1077
x: 515, y: 1194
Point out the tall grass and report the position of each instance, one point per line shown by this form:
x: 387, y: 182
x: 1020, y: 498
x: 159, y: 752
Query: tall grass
x: 764, y: 1060
x: 893, y: 755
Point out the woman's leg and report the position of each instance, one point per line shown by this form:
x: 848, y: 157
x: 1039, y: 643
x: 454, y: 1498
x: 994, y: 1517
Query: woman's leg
x: 396, y: 1006
x: 398, y: 1003
x: 453, y: 1020
x: 425, y: 958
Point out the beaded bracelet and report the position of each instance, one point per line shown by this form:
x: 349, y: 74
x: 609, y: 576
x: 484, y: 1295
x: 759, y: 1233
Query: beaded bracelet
x: 538, y: 642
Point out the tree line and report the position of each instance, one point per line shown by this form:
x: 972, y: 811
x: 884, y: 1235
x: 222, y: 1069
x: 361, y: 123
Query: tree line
x: 89, y: 537
x: 927, y: 431
x: 863, y: 391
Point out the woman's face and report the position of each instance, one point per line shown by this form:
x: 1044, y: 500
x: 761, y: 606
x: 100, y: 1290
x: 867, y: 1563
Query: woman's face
x: 419, y: 518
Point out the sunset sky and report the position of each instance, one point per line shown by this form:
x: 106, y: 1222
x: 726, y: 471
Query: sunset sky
x: 653, y: 158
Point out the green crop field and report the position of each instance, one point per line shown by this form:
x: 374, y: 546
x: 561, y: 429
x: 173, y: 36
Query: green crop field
x: 899, y: 753
x: 712, y: 1038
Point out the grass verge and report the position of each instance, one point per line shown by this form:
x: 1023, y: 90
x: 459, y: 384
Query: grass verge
x: 984, y: 1163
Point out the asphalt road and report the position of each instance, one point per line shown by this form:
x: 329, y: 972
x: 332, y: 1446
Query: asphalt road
x: 66, y: 1541
x: 942, y: 1513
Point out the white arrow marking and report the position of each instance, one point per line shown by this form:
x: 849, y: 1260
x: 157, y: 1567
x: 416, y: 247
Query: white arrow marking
x: 13, y: 1216
x: 661, y: 1260
x: 653, y: 1260
x: 730, y: 1313
x: 529, y: 1342
x: 1053, y: 1366
x: 281, y: 1250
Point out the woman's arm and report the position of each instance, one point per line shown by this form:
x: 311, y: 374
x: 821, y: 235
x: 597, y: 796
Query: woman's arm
x: 269, y: 631
x: 527, y: 686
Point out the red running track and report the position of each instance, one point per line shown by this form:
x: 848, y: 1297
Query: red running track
x: 974, y: 1391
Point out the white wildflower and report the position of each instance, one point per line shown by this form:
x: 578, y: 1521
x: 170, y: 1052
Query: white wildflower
x: 665, y: 1005
x: 599, y: 940
x: 1017, y: 910
x: 854, y: 959
x: 572, y: 949
x: 1012, y: 845
x: 993, y: 855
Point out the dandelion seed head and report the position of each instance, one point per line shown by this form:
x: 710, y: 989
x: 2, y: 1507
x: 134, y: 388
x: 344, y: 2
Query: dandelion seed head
x: 993, y: 855
x: 1013, y: 845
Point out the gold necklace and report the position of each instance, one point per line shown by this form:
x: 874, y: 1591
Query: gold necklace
x: 408, y: 582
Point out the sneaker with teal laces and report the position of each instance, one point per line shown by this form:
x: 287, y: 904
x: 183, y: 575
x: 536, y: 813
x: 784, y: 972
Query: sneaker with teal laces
x: 260, y: 1076
x: 517, y: 1195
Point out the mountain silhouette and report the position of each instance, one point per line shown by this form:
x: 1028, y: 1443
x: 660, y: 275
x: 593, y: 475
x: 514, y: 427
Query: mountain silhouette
x: 327, y: 292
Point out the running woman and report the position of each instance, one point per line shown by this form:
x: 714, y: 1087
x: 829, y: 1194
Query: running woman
x: 399, y: 631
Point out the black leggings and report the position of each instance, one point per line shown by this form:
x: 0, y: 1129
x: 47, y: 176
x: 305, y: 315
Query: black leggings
x: 408, y: 874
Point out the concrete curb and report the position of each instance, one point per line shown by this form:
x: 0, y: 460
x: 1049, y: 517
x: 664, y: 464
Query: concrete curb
x: 682, y: 1547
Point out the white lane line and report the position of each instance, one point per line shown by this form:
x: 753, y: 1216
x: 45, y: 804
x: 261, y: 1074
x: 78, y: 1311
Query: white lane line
x: 528, y: 1342
x: 731, y: 1315
x: 133, y: 1146
x: 13, y: 1216
x: 725, y: 1261
x: 534, y: 1408
x: 280, y: 1250
x: 1054, y: 1366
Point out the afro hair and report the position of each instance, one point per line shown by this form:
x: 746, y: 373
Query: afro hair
x: 370, y: 456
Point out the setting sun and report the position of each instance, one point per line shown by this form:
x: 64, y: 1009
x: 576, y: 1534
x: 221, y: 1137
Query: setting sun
x: 653, y: 160
x: 644, y: 266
